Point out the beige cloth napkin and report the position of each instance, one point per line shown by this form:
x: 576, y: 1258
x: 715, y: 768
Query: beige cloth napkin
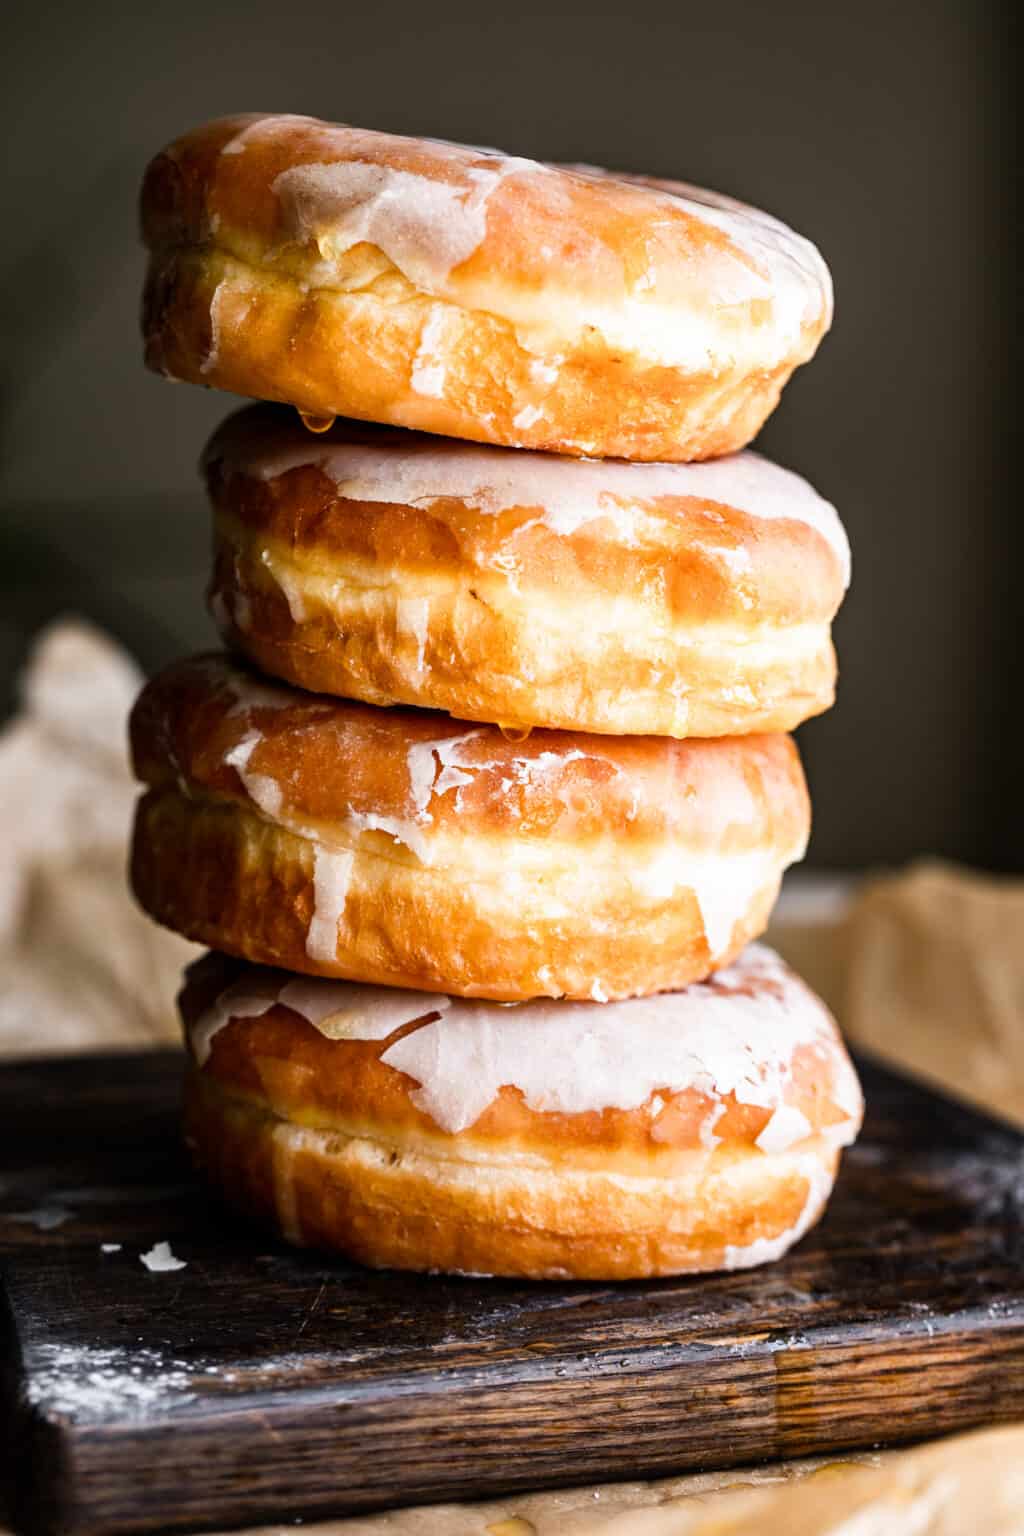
x: 80, y: 967
x: 924, y: 967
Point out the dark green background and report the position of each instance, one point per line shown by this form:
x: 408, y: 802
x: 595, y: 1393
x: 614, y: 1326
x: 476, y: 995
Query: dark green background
x: 879, y: 130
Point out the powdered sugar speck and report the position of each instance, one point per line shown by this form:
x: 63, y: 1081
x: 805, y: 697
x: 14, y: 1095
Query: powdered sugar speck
x: 82, y: 1382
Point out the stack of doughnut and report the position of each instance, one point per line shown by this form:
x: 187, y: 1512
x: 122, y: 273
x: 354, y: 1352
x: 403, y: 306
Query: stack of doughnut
x: 485, y: 803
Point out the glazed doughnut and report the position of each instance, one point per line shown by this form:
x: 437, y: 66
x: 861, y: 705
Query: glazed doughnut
x: 398, y: 847
x: 690, y: 1131
x: 514, y: 587
x: 470, y: 294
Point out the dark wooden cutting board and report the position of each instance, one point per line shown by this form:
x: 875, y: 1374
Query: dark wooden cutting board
x: 258, y: 1383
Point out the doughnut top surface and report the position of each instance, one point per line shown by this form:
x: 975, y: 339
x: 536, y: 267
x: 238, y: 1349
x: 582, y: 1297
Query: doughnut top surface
x: 683, y: 277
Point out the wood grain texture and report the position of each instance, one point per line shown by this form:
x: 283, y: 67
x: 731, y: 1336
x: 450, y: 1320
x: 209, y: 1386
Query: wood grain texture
x: 259, y: 1383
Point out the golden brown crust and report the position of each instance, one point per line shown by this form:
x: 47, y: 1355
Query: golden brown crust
x: 389, y: 1210
x: 386, y: 566
x: 508, y: 302
x: 336, y: 839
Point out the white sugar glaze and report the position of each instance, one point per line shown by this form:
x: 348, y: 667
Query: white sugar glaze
x: 247, y: 998
x: 289, y: 580
x: 426, y: 222
x: 725, y: 885
x: 429, y: 370
x: 412, y: 617
x: 286, y: 1203
x: 414, y: 470
x: 332, y: 871
x: 797, y: 278
x: 213, y: 354
x: 788, y: 269
x: 426, y: 226
x: 736, y: 1034
x: 263, y: 790
x: 348, y: 1010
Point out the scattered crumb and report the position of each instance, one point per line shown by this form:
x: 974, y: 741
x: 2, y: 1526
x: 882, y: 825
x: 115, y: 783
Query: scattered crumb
x: 110, y: 1247
x: 160, y: 1259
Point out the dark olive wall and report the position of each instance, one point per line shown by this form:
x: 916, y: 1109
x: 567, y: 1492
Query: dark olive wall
x: 880, y: 130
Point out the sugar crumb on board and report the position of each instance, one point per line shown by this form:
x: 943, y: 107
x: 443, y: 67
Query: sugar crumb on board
x: 160, y: 1259
x: 80, y: 1381
x: 47, y: 1218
